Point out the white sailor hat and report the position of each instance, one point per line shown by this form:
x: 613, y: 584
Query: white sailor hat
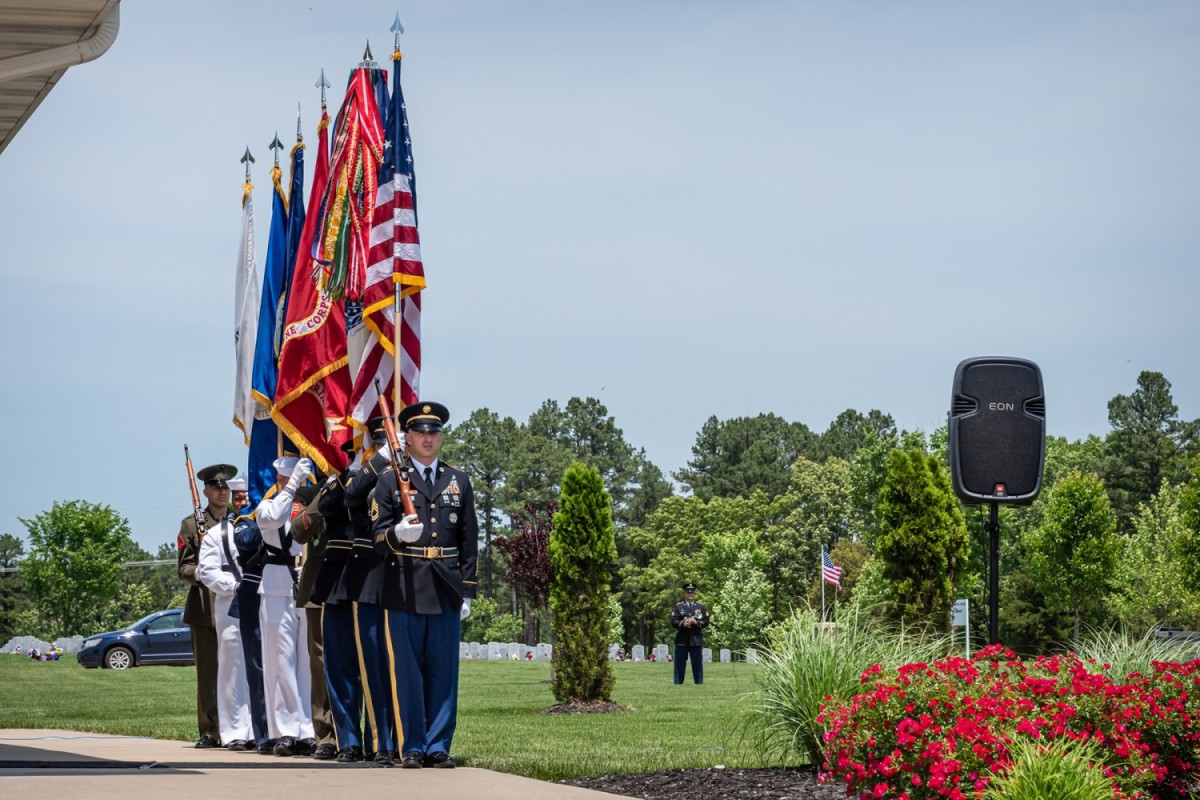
x: 285, y: 466
x: 237, y: 484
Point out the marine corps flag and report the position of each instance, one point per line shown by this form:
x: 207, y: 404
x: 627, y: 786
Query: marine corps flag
x: 313, y: 392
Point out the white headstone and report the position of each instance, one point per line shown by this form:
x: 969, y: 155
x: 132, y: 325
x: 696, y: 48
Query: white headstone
x: 612, y: 651
x: 464, y: 650
x: 493, y: 651
x: 706, y: 655
x: 751, y: 656
x: 661, y: 651
x: 726, y: 656
x: 514, y: 651
x: 639, y: 652
x: 545, y: 652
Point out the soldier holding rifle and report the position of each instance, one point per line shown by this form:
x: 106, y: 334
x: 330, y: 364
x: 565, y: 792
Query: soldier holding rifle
x: 198, y: 611
x: 429, y: 534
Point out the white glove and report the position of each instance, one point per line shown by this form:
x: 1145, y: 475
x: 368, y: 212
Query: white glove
x: 465, y: 611
x: 300, y: 474
x: 409, y: 529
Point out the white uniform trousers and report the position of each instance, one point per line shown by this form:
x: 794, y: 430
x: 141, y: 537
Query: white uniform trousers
x: 233, y: 691
x: 285, y: 667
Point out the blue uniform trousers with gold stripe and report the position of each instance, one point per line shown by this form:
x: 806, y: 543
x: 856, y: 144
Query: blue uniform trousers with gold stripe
x: 343, y: 676
x: 376, y: 671
x: 425, y: 669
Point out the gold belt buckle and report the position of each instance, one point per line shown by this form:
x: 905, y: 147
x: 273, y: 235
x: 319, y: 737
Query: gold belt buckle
x: 432, y: 552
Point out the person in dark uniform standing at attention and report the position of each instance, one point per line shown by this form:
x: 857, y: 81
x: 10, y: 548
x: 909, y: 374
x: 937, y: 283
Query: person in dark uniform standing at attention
x: 362, y: 586
x: 198, y: 610
x: 689, y: 619
x: 431, y: 561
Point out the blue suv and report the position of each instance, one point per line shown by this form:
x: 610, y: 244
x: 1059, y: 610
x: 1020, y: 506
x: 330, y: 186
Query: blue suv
x: 160, y: 638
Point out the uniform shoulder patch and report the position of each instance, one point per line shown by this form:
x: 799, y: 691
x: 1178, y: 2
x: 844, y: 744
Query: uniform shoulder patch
x: 374, y: 513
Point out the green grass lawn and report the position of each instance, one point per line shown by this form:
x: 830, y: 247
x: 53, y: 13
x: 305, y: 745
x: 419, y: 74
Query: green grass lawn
x: 499, y: 727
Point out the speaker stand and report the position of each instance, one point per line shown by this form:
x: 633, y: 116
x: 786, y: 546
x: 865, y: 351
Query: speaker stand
x: 993, y: 528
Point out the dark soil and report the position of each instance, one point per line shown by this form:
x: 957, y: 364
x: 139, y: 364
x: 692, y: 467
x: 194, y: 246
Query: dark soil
x: 727, y: 784
x: 577, y: 707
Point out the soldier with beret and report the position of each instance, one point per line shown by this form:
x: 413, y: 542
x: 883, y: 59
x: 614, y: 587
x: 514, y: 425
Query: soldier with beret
x: 197, y: 610
x: 362, y: 587
x: 431, y: 580
x: 689, y: 619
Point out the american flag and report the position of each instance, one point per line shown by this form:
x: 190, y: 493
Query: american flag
x: 394, y: 260
x: 830, y: 571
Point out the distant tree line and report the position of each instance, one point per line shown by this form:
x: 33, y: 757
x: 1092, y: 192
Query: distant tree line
x: 1113, y: 539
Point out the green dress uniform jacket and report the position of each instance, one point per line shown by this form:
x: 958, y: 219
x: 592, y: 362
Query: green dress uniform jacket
x: 198, y: 613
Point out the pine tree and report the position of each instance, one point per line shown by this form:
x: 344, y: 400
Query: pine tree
x: 923, y: 544
x: 582, y: 550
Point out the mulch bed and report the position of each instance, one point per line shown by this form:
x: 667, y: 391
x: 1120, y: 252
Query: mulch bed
x: 593, y: 707
x: 718, y: 782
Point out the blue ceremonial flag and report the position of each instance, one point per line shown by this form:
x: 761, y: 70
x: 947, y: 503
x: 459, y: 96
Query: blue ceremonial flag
x: 264, y: 437
x: 295, y: 225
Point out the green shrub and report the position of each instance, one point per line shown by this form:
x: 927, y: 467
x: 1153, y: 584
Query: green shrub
x: 1119, y: 653
x: 1062, y: 769
x: 582, y: 550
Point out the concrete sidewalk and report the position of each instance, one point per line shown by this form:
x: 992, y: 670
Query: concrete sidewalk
x: 72, y: 764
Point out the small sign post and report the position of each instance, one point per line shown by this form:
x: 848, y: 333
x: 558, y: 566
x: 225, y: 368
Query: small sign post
x: 960, y: 617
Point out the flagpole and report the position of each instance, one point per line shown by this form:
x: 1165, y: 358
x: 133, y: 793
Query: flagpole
x: 398, y: 301
x: 822, y: 568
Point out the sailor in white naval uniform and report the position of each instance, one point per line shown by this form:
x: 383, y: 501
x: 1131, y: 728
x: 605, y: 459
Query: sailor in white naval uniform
x: 217, y: 568
x: 284, y: 634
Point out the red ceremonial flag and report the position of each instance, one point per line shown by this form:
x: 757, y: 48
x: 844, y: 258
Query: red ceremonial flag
x: 312, y: 397
x: 394, y: 267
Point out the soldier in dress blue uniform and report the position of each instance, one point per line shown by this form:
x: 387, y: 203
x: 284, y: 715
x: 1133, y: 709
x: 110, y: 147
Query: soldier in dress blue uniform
x: 431, y: 580
x: 342, y: 675
x: 689, y: 619
x: 362, y: 586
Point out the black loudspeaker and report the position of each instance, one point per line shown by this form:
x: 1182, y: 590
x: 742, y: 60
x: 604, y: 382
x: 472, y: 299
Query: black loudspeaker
x: 997, y: 431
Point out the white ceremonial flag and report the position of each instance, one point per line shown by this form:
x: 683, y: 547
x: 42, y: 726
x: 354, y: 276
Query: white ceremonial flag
x: 245, y: 319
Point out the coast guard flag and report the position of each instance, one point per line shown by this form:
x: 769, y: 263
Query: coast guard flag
x: 264, y: 437
x: 830, y: 572
x: 245, y: 317
x: 313, y: 392
x: 394, y: 263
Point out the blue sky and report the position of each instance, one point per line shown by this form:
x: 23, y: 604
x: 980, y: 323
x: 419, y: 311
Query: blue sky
x: 681, y: 208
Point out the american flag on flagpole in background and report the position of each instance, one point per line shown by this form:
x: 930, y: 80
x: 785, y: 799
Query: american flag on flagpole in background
x: 394, y: 261
x: 831, y: 572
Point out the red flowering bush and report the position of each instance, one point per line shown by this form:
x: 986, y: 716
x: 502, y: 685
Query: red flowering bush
x: 944, y: 729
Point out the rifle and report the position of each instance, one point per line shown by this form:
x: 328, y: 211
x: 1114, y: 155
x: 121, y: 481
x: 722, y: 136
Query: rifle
x: 197, y: 510
x: 403, y: 484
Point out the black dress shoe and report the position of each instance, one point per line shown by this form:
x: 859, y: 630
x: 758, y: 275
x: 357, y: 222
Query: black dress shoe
x: 306, y: 746
x: 439, y: 760
x: 384, y: 758
x: 206, y: 741
x: 348, y: 755
x: 286, y: 746
x: 414, y: 760
x: 267, y: 747
x: 325, y: 752
x: 238, y: 744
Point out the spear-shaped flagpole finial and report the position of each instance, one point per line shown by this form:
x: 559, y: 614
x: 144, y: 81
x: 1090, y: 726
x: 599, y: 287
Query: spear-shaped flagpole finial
x: 276, y: 145
x: 247, y: 159
x: 299, y: 135
x: 368, y: 61
x: 323, y: 84
x: 397, y: 29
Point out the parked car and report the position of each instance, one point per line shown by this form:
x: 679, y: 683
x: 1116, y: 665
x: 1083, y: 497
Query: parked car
x: 160, y: 638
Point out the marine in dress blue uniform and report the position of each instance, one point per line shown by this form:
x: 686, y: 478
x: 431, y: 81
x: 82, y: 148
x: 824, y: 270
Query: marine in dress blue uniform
x: 431, y: 561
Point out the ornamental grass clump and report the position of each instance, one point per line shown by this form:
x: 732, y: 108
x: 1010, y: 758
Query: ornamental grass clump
x: 1120, y: 652
x: 948, y: 728
x: 1062, y: 769
x: 806, y: 662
